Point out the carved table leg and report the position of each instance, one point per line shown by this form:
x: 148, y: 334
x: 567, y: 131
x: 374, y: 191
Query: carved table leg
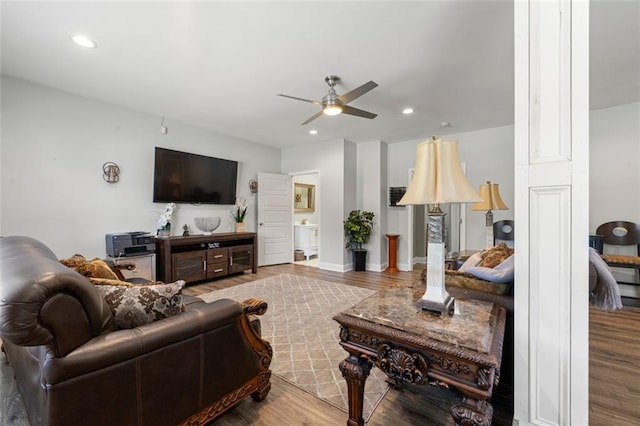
x: 355, y: 371
x: 471, y: 412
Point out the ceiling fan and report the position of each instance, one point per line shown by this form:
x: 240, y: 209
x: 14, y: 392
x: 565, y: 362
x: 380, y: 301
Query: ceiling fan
x: 332, y: 104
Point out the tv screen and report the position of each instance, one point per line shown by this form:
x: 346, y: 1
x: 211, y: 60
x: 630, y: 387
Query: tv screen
x: 181, y: 177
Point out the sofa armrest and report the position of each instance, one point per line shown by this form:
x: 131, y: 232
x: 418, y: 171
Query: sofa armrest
x: 40, y: 297
x: 253, y: 307
x: 124, y: 345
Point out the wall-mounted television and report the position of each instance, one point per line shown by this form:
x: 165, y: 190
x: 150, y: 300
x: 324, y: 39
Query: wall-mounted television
x: 181, y: 177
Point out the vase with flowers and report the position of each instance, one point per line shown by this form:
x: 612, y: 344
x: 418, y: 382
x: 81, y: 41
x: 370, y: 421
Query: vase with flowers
x: 238, y: 212
x: 164, y: 222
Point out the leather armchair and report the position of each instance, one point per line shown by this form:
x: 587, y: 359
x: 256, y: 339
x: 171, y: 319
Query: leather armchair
x: 73, y: 366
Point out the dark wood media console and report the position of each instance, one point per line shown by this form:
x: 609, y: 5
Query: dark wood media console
x: 200, y: 257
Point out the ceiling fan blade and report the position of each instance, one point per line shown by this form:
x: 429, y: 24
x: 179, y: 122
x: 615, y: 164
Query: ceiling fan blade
x: 357, y: 92
x: 346, y: 109
x: 313, y: 117
x: 300, y: 99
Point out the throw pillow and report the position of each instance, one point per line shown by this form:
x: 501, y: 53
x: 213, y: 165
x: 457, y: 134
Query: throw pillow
x: 472, y: 260
x: 494, y: 256
x: 502, y: 273
x: 73, y: 261
x: 95, y: 268
x: 133, y: 306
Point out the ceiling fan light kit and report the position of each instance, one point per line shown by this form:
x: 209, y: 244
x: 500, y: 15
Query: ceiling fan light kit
x: 332, y: 110
x: 332, y: 104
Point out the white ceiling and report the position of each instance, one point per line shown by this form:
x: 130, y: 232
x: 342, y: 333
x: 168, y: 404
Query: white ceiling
x: 219, y: 65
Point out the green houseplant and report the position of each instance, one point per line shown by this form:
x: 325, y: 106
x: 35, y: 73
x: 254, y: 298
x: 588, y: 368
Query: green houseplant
x: 357, y: 228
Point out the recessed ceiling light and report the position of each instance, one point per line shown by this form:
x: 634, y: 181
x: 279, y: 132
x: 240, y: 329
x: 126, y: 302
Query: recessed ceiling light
x: 445, y: 124
x: 313, y: 132
x: 84, y: 41
x: 407, y: 111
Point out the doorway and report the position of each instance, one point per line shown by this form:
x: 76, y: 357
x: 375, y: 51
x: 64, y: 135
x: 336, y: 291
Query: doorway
x: 306, y: 218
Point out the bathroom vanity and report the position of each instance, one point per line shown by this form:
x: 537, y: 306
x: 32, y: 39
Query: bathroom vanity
x: 306, y: 239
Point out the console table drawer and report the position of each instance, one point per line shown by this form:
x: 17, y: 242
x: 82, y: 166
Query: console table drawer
x: 217, y: 269
x: 218, y: 256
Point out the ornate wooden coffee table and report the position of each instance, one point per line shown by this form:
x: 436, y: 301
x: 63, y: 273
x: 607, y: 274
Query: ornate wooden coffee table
x: 463, y: 350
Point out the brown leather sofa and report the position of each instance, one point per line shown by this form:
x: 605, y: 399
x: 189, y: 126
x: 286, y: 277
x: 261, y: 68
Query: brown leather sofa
x: 73, y: 366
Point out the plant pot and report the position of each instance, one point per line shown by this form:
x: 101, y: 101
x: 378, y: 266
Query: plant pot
x: 360, y: 259
x: 239, y: 226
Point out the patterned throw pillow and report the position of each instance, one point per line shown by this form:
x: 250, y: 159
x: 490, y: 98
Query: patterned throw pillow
x: 494, y: 256
x: 142, y: 304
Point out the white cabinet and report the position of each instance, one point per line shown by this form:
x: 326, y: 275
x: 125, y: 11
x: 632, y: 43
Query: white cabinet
x: 306, y: 239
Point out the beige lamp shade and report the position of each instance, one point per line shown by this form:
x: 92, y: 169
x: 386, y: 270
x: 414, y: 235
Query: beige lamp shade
x: 438, y: 177
x: 491, y: 200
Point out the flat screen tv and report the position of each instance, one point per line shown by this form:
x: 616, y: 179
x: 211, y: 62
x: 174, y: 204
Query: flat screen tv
x: 181, y: 177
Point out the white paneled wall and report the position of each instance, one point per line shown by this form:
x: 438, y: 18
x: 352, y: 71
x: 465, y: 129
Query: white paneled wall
x: 552, y: 196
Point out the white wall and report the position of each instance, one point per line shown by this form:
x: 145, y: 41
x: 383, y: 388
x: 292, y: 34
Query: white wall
x: 400, y: 158
x: 614, y: 165
x: 614, y: 179
x: 371, y: 196
x: 53, y: 146
x: 488, y: 155
x: 328, y: 160
x: 349, y: 197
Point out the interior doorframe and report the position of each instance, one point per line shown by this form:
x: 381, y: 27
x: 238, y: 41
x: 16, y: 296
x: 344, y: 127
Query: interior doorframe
x: 318, y: 208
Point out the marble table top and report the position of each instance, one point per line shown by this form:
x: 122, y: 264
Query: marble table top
x: 471, y: 325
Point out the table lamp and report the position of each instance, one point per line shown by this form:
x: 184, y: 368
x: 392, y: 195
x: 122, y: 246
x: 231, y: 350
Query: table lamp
x: 491, y: 200
x: 438, y: 178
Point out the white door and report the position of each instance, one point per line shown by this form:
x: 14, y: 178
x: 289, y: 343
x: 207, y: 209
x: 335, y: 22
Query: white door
x: 275, y: 219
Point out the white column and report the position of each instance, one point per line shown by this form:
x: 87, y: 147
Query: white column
x: 551, y: 212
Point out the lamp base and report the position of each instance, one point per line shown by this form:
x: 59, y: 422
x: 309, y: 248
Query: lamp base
x: 489, y: 229
x: 443, y: 308
x: 435, y: 298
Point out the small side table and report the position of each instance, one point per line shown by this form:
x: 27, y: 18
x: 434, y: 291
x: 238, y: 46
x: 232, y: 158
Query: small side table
x: 393, y: 253
x: 144, y: 266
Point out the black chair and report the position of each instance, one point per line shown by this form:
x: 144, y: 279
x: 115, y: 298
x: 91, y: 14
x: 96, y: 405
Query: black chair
x: 621, y: 233
x: 503, y: 231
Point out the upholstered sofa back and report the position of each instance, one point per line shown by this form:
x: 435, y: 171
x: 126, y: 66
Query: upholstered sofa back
x: 42, y: 302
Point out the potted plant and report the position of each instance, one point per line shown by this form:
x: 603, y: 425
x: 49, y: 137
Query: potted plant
x: 164, y: 223
x: 238, y: 212
x: 358, y: 227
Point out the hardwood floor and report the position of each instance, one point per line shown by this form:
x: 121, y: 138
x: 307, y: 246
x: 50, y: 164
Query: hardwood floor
x: 614, y: 372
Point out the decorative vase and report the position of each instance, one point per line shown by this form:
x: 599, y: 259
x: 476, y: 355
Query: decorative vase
x: 164, y: 232
x: 239, y: 226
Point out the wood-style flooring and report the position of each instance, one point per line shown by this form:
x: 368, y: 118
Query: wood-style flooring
x: 614, y: 372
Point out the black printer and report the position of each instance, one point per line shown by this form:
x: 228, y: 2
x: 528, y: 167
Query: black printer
x: 130, y: 243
